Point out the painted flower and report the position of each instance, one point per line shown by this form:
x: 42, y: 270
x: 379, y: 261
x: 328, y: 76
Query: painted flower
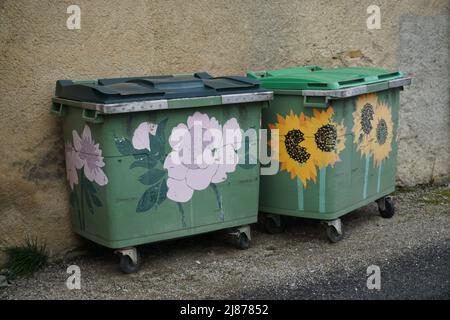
x: 293, y: 154
x: 194, y: 165
x: 363, y: 121
x: 382, y: 134
x: 90, y: 155
x: 73, y: 162
x: 226, y: 153
x: 324, y: 138
x: 141, y: 138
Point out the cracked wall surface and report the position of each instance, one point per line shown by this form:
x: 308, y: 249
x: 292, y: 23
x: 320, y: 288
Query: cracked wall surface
x: 137, y: 37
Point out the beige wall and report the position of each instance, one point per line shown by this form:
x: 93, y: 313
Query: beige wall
x: 137, y: 37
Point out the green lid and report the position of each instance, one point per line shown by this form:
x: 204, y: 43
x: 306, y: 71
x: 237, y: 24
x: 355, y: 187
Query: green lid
x: 316, y: 78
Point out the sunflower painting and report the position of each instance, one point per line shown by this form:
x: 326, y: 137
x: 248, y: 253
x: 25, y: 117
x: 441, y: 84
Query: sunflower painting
x: 307, y: 146
x: 325, y: 139
x: 292, y: 153
x: 382, y: 134
x: 362, y: 122
x: 372, y: 128
x: 373, y: 133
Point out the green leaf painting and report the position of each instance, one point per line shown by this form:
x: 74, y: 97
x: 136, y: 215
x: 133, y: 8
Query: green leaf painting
x: 157, y: 142
x: 148, y: 199
x: 144, y: 162
x: 84, y: 197
x: 153, y: 196
x: 152, y: 176
x: 124, y: 146
x: 148, y: 149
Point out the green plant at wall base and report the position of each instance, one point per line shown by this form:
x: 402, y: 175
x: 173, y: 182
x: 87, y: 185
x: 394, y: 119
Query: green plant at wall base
x: 401, y: 189
x: 436, y: 197
x: 26, y: 259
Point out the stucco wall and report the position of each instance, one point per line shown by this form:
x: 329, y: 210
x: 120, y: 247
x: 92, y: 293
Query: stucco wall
x: 137, y: 37
x: 425, y: 114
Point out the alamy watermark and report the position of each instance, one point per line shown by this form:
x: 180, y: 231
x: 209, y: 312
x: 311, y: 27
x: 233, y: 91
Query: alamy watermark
x: 74, y: 20
x: 374, y: 19
x: 374, y: 277
x: 200, y: 147
x: 74, y: 280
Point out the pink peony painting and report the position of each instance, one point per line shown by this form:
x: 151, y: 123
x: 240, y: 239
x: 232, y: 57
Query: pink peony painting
x: 187, y: 175
x: 202, y: 153
x: 85, y: 155
x: 90, y: 155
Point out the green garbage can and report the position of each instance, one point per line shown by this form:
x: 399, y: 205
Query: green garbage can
x: 337, y: 142
x: 157, y: 158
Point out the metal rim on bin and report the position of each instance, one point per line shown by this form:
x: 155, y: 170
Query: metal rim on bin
x: 355, y: 91
x: 150, y: 105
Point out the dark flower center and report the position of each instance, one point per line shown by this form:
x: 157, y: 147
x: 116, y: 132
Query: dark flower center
x: 326, y: 138
x: 382, y: 131
x: 296, y: 152
x: 366, y: 118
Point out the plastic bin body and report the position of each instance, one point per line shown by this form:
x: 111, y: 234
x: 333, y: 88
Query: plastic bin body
x: 133, y: 206
x: 354, y: 176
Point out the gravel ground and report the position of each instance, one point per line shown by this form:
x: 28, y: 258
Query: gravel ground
x: 412, y: 250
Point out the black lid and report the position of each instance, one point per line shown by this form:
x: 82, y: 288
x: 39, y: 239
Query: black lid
x: 129, y: 89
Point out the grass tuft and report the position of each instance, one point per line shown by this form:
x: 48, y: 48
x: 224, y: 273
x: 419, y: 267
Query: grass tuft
x: 26, y: 259
x: 437, y: 197
x: 401, y: 189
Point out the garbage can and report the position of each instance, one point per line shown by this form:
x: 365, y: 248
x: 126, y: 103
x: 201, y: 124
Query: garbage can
x: 160, y: 157
x: 337, y: 145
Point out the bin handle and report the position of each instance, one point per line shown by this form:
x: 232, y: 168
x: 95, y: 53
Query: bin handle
x: 316, y: 101
x: 92, y: 116
x: 203, y: 75
x: 58, y: 109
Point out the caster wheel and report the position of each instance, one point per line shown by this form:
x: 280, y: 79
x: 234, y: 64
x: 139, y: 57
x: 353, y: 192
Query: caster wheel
x: 333, y: 234
x: 243, y: 243
x: 127, y: 265
x: 271, y: 226
x: 389, y: 209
